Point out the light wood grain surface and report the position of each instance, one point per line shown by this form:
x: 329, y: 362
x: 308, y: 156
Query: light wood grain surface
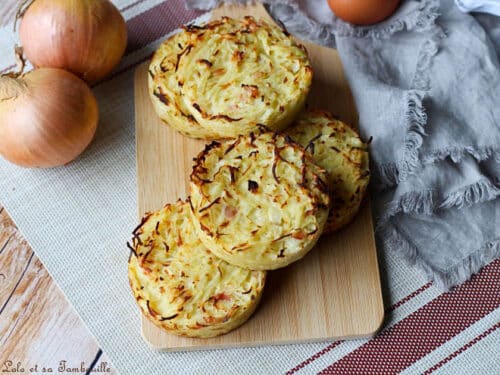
x: 333, y: 293
x: 38, y: 327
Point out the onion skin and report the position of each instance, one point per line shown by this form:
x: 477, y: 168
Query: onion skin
x: 363, y: 12
x: 85, y: 37
x: 47, y: 118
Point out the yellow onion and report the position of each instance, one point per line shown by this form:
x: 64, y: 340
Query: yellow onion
x: 363, y: 12
x: 86, y: 37
x: 47, y: 117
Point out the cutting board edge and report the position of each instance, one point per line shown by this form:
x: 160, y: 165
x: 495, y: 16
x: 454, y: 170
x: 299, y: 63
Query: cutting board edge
x: 254, y: 344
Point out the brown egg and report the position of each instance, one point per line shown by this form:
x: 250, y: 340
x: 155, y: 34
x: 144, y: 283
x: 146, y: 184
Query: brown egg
x: 363, y: 12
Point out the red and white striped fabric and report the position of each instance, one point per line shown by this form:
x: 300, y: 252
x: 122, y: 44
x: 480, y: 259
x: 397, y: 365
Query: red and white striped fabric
x: 426, y: 331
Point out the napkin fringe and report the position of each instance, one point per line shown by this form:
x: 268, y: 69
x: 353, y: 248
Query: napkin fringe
x: 299, y: 23
x: 421, y: 79
x: 386, y: 176
x: 444, y: 278
x: 481, y: 191
x: 296, y: 20
x: 457, y: 154
x: 422, y: 18
x: 417, y: 202
x: 390, y: 174
x: 426, y: 201
x: 416, y: 117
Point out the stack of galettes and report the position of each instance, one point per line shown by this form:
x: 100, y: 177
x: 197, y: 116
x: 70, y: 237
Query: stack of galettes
x: 274, y: 180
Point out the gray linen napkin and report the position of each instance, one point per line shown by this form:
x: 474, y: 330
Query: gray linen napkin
x: 427, y: 86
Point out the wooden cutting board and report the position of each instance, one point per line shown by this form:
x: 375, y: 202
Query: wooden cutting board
x: 334, y: 292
